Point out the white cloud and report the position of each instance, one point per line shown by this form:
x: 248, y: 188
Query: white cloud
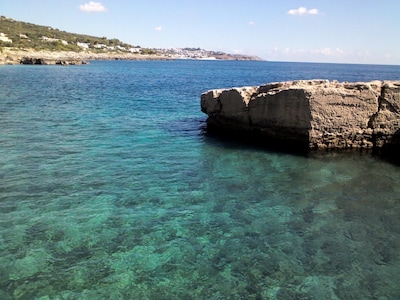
x: 387, y: 56
x: 364, y: 54
x: 92, y: 7
x: 303, y: 11
x: 286, y: 51
x: 340, y: 51
x: 251, y: 23
x: 328, y: 51
x: 300, y: 54
x: 313, y: 11
x: 158, y: 28
x: 324, y: 51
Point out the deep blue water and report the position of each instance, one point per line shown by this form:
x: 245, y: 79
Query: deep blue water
x: 110, y: 188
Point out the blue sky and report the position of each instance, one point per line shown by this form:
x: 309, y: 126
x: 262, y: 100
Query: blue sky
x: 342, y: 31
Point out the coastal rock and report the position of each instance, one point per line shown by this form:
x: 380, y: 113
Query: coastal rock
x: 14, y: 56
x: 51, y: 61
x: 315, y: 114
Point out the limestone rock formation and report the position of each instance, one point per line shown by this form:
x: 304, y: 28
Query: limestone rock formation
x: 317, y: 114
x: 50, y: 61
x: 12, y: 56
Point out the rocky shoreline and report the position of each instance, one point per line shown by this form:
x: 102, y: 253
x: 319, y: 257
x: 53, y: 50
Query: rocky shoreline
x: 29, y: 56
x: 310, y: 114
x: 13, y: 56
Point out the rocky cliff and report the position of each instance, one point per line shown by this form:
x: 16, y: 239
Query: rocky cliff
x: 316, y: 114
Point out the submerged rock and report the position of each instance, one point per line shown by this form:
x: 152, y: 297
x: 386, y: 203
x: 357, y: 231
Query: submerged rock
x: 314, y: 114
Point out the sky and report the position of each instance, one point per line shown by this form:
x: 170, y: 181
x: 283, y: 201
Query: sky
x: 333, y: 31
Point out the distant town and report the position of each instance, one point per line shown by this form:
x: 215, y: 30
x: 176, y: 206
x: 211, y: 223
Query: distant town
x: 173, y: 53
x: 21, y: 35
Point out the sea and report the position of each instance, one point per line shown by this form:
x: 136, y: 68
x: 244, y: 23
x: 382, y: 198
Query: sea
x: 112, y: 188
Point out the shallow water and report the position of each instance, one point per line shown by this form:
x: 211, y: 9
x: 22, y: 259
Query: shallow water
x: 110, y: 188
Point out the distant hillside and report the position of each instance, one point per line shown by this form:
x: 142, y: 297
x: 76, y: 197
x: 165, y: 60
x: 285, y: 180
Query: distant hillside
x: 37, y: 37
x: 21, y: 35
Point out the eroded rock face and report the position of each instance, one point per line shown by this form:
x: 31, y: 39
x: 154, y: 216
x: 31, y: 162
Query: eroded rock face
x: 42, y: 61
x: 386, y: 122
x: 317, y: 113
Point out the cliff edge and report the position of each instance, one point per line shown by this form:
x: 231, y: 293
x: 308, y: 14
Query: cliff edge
x: 314, y: 114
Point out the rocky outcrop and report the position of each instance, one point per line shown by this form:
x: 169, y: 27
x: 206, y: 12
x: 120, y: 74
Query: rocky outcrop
x: 12, y: 56
x: 31, y: 57
x: 50, y: 61
x: 315, y: 114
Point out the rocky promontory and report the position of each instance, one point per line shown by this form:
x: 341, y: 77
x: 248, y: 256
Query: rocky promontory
x: 44, y: 57
x: 311, y: 114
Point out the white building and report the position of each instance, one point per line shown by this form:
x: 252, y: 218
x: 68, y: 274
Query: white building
x: 83, y: 45
x: 47, y: 39
x: 134, y: 50
x: 100, y: 46
x: 4, y: 38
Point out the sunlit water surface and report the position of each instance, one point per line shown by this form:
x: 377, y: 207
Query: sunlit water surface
x: 110, y: 188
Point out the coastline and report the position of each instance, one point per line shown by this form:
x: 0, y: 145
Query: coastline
x: 12, y: 56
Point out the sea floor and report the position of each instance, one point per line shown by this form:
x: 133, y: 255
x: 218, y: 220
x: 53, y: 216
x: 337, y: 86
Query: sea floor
x: 111, y: 188
x: 275, y: 227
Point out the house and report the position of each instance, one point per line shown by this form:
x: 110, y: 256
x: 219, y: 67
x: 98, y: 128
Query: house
x: 100, y: 46
x: 4, y: 38
x: 83, y: 45
x: 135, y: 50
x: 47, y: 39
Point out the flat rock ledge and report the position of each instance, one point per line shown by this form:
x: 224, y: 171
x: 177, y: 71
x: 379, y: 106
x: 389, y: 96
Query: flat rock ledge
x: 314, y: 114
x: 50, y: 61
x: 10, y: 56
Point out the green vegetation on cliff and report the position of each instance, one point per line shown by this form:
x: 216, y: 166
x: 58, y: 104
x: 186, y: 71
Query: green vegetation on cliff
x: 22, y: 35
x: 37, y: 37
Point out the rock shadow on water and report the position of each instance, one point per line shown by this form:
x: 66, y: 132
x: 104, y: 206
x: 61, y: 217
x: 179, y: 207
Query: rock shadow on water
x: 391, y: 150
x: 252, y: 140
x: 255, y: 141
x: 186, y: 127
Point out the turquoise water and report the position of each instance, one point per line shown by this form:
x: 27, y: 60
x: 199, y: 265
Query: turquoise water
x: 111, y: 188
